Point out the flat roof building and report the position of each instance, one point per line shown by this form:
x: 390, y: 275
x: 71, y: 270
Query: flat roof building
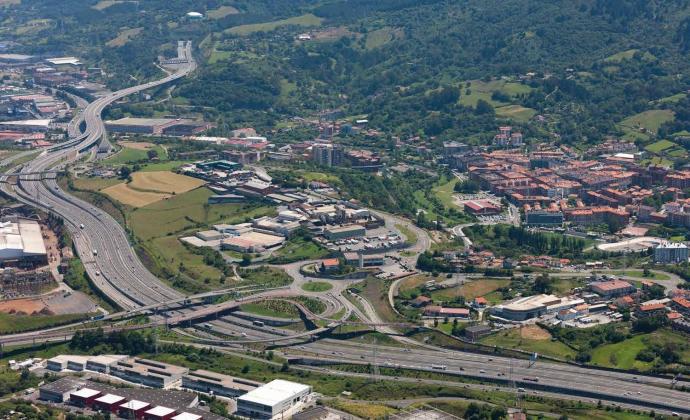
x: 344, y: 232
x: 60, y: 390
x: 20, y: 240
x: 217, y: 383
x: 108, y: 402
x: 133, y: 409
x: 276, y: 398
x: 612, y: 288
x: 159, y: 413
x: 148, y: 372
x: 84, y: 397
x: 530, y: 307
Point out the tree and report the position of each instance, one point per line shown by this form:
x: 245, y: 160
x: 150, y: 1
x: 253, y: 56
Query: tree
x: 152, y: 154
x: 125, y: 172
x: 484, y: 108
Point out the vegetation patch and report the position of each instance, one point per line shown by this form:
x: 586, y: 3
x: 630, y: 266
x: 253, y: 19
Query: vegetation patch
x: 516, y: 112
x: 317, y: 286
x: 221, y: 12
x: 659, y: 146
x: 381, y: 37
x: 628, y: 55
x: 164, y: 182
x: 648, y: 120
x: 124, y: 37
x: 307, y: 20
x: 534, y: 339
x: 126, y: 195
x: 470, y: 290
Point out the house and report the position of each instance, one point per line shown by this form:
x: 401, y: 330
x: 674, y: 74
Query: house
x: 681, y: 305
x: 420, y: 301
x: 329, y: 265
x: 480, y: 302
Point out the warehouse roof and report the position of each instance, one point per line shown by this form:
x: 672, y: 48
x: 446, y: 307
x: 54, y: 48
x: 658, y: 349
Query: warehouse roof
x: 134, y: 405
x: 160, y: 411
x: 86, y: 393
x: 274, y: 392
x: 110, y: 399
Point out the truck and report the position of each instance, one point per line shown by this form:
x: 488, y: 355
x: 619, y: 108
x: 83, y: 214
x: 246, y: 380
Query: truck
x: 258, y: 323
x: 81, y: 226
x: 95, y: 252
x: 439, y: 367
x: 531, y: 379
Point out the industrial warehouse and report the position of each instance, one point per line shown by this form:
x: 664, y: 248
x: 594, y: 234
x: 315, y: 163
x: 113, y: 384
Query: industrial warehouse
x: 171, y: 397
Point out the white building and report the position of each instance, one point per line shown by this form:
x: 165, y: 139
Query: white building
x: 276, y: 399
x: 671, y: 253
x: 21, y: 239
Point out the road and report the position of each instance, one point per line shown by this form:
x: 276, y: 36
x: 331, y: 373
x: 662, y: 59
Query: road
x: 101, y: 243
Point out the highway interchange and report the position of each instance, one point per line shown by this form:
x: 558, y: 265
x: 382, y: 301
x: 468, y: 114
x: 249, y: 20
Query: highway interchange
x: 115, y: 269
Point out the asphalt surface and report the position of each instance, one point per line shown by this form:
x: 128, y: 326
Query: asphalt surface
x: 101, y: 243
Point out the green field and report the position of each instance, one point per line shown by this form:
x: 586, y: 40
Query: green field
x: 380, y: 37
x: 298, y: 249
x: 274, y: 309
x: 660, y: 146
x: 221, y: 12
x: 307, y: 20
x: 187, y: 211
x: 650, y: 120
x: 627, y: 55
x: 168, y: 251
x: 512, y: 339
x: 445, y: 192
x: 622, y: 355
x: 516, y: 112
x: 11, y: 323
x: 409, y: 234
x: 484, y: 90
x: 128, y: 155
x: 470, y: 290
x: 169, y: 165
x: 94, y: 184
x: 640, y: 274
x: 317, y: 286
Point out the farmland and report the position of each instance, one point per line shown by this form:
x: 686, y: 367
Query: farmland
x: 307, y: 20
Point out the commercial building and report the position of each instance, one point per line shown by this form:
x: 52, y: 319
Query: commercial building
x: 26, y: 125
x: 612, y: 288
x: 103, y: 363
x: 159, y: 413
x: 276, y: 399
x: 217, y: 384
x: 148, y: 372
x: 133, y: 409
x: 59, y: 391
x: 84, y: 397
x: 482, y: 207
x: 671, y: 253
x: 21, y: 240
x: 109, y: 403
x: 344, y: 232
x: 530, y: 307
x: 475, y: 332
x: 156, y: 126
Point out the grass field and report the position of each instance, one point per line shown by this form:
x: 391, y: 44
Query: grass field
x: 529, y: 340
x: 124, y: 37
x: 650, y: 120
x: 317, y: 286
x: 470, y: 290
x: 671, y: 99
x: 363, y: 409
x: 164, y: 182
x: 188, y: 210
x: 659, y: 146
x: 126, y: 195
x: 94, y: 184
x: 622, y: 355
x: 484, y: 90
x: 307, y: 20
x: 135, y: 154
x: 640, y: 274
x: 444, y: 192
x: 221, y: 12
x: 168, y: 251
x: 298, y: 249
x: 381, y: 37
x: 274, y: 309
x: 10, y: 323
x: 409, y: 234
x: 627, y: 55
x: 516, y: 112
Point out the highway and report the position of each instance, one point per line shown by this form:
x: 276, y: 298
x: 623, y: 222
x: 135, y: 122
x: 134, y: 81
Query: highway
x: 102, y: 244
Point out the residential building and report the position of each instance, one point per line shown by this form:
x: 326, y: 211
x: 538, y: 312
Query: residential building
x: 327, y: 154
x: 439, y: 311
x: 671, y: 253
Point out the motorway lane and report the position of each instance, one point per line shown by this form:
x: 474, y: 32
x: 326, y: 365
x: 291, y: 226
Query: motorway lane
x: 614, y: 384
x: 128, y: 282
